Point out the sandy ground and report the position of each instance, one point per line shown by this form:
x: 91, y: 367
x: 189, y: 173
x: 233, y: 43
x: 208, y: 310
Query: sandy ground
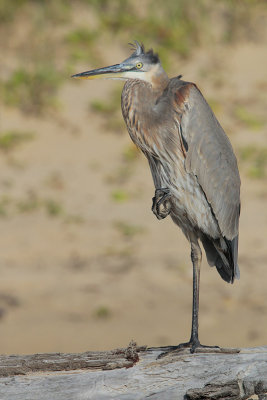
x: 101, y: 272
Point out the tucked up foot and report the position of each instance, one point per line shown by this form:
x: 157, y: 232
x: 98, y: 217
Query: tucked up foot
x: 161, y: 205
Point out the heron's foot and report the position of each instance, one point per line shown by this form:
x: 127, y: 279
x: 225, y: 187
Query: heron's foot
x: 196, y: 347
x: 161, y: 205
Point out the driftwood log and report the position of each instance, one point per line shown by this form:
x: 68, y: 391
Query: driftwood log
x: 136, y: 373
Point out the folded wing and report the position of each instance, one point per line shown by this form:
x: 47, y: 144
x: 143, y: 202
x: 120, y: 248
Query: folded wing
x: 209, y: 155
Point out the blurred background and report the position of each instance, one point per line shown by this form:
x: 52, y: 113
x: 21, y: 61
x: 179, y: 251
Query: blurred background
x: 84, y: 263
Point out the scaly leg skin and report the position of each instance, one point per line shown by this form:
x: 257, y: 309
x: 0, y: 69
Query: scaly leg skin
x: 161, y: 205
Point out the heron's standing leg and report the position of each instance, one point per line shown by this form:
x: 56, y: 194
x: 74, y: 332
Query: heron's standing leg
x: 193, y: 344
x: 196, y: 257
x: 161, y: 205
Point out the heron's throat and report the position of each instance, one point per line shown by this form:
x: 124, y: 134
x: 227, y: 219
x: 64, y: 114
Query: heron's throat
x: 158, y: 78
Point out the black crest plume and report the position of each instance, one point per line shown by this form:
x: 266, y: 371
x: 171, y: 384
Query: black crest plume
x: 139, y: 50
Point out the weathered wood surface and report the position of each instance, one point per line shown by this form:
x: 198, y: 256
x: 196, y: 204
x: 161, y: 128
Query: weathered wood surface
x: 135, y: 373
x: 91, y: 360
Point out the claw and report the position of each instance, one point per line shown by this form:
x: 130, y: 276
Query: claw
x: 161, y: 205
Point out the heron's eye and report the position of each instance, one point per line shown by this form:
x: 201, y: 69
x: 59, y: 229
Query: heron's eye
x: 139, y: 65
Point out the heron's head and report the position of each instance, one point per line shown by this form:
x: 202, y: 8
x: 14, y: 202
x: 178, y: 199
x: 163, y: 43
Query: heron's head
x: 140, y: 65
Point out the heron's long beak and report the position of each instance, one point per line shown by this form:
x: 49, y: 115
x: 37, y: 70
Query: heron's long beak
x: 113, y: 72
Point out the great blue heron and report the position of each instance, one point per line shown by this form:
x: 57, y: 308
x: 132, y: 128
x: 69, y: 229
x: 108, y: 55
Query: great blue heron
x: 192, y: 162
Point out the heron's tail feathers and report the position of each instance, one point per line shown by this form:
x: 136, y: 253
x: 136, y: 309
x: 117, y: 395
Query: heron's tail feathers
x: 223, y: 254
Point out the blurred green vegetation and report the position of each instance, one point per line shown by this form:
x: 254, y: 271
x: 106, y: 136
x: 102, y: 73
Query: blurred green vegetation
x: 170, y: 24
x: 8, y: 9
x: 47, y: 54
x: 102, y: 312
x: 81, y: 45
x: 105, y: 107
x: 255, y: 161
x: 11, y: 139
x: 32, y: 91
x: 119, y: 196
x: 127, y: 229
x: 43, y: 61
x: 31, y: 202
x: 248, y: 119
x: 53, y: 207
x: 56, y: 10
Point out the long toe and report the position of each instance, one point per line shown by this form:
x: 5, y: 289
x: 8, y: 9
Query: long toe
x: 195, y: 347
x: 175, y: 349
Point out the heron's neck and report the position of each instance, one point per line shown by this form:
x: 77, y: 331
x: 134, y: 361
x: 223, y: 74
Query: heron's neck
x: 158, y: 78
x: 141, y: 111
x: 141, y: 97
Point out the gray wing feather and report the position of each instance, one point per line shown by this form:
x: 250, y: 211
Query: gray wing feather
x: 211, y: 158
